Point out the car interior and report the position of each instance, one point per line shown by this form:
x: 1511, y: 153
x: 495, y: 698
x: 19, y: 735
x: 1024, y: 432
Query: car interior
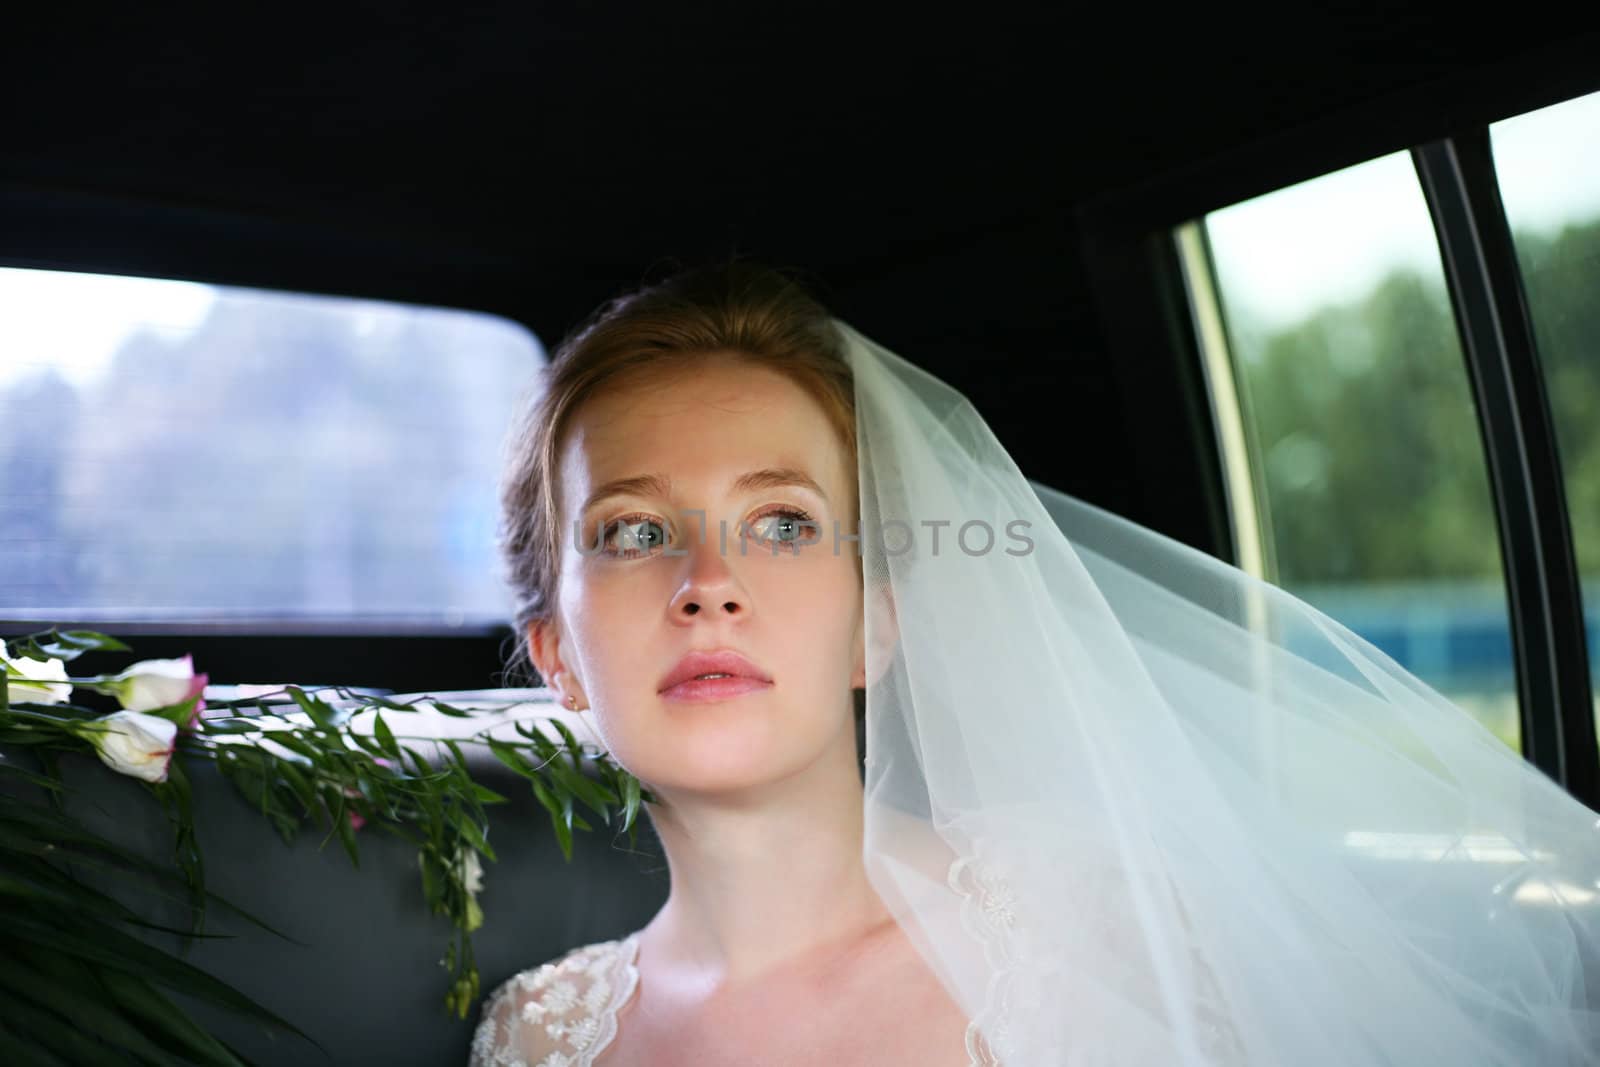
x: 1315, y: 297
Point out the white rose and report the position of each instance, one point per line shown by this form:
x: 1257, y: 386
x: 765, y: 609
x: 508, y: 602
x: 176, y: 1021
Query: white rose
x: 158, y: 683
x: 135, y: 744
x: 53, y: 672
x: 471, y: 869
x: 467, y: 867
x: 472, y: 878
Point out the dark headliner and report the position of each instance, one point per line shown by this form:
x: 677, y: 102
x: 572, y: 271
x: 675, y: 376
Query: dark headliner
x: 588, y: 141
x: 936, y: 173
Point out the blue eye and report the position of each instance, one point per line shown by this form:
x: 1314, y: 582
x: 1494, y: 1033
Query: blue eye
x: 785, y: 526
x: 635, y: 535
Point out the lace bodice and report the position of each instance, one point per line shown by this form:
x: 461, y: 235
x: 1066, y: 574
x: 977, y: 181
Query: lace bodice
x: 559, y: 1014
x: 564, y: 1013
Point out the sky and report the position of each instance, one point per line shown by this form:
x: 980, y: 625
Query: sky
x: 1283, y: 255
x: 75, y: 322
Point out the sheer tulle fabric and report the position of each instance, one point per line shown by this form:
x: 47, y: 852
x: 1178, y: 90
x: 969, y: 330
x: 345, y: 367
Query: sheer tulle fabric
x: 1135, y: 806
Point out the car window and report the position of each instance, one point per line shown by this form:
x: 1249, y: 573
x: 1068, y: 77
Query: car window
x: 181, y: 452
x: 1358, y: 476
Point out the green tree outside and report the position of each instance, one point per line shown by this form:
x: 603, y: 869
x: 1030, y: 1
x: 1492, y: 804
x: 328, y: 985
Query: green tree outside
x: 1374, y: 491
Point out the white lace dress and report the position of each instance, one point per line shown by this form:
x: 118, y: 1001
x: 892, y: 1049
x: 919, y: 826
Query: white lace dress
x: 559, y: 1014
x: 564, y: 1013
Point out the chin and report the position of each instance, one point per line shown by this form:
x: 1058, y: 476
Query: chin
x: 716, y: 755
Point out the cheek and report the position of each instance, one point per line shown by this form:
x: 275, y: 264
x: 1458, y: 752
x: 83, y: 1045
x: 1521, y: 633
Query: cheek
x: 613, y: 615
x: 813, y: 611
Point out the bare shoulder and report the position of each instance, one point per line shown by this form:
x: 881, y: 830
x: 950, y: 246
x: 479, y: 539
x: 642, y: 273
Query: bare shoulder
x: 562, y: 1011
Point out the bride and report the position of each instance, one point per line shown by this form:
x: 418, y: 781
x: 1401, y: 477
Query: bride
x: 1119, y: 803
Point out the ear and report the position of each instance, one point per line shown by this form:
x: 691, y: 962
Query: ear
x: 879, y: 616
x: 544, y: 648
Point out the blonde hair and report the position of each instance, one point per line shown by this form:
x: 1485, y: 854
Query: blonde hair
x: 754, y: 314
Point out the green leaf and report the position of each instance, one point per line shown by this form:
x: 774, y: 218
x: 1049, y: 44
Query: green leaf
x: 110, y: 908
x: 177, y: 714
x: 31, y: 880
x: 511, y: 758
x: 248, y: 771
x: 297, y: 781
x: 68, y: 645
x: 37, y: 881
x: 163, y: 1017
x: 630, y: 800
x: 574, y: 749
x: 385, y: 736
x: 372, y: 700
x: 455, y: 750
x: 596, y: 796
x: 186, y: 849
x: 425, y: 770
x: 51, y: 1035
x: 230, y: 726
x: 90, y: 640
x: 127, y: 954
x: 72, y: 990
x: 43, y: 781
x: 17, y: 1052
x: 321, y: 711
x: 542, y: 744
x: 367, y: 744
x: 559, y: 816
x: 347, y: 834
x: 487, y: 795
x: 430, y: 875
x: 474, y: 835
x: 295, y: 741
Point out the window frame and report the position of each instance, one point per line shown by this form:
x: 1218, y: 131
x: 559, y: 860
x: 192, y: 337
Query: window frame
x: 1548, y: 633
x: 1132, y: 242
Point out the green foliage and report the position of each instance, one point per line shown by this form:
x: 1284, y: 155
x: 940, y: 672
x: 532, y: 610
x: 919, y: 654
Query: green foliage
x: 76, y: 982
x: 1366, y: 435
x: 65, y: 645
x: 313, y: 771
x: 1563, y: 288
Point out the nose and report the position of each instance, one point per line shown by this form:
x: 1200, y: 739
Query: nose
x: 709, y: 584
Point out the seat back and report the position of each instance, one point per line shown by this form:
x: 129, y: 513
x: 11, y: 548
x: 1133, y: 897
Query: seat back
x: 363, y: 974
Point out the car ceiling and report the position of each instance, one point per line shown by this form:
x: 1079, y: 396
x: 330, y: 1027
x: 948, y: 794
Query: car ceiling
x: 931, y: 170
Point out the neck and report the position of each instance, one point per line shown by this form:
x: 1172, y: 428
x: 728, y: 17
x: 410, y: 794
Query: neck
x: 762, y: 880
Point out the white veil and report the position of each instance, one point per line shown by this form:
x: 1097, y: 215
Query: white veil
x: 1137, y: 807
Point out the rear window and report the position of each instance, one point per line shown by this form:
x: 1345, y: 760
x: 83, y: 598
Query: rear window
x: 185, y: 453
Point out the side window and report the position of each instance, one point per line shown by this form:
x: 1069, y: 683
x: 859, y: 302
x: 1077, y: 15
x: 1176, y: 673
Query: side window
x: 1355, y: 465
x: 1548, y: 166
x: 180, y: 452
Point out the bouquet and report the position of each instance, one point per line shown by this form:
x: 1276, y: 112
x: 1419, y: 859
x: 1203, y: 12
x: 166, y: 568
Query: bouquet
x: 74, y: 968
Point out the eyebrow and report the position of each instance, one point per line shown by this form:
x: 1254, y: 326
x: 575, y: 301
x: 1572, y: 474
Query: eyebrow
x: 660, y: 485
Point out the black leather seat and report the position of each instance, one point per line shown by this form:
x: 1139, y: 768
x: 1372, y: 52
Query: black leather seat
x: 366, y: 981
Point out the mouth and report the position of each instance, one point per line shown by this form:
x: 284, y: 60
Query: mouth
x: 703, y: 676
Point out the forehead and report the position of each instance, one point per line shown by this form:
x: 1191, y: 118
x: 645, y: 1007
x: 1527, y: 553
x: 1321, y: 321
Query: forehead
x: 710, y: 421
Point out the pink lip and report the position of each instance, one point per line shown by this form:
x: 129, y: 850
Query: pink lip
x: 683, y: 681
x: 699, y: 690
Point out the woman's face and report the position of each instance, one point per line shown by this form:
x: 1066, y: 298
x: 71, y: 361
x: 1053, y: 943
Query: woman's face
x: 627, y: 613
